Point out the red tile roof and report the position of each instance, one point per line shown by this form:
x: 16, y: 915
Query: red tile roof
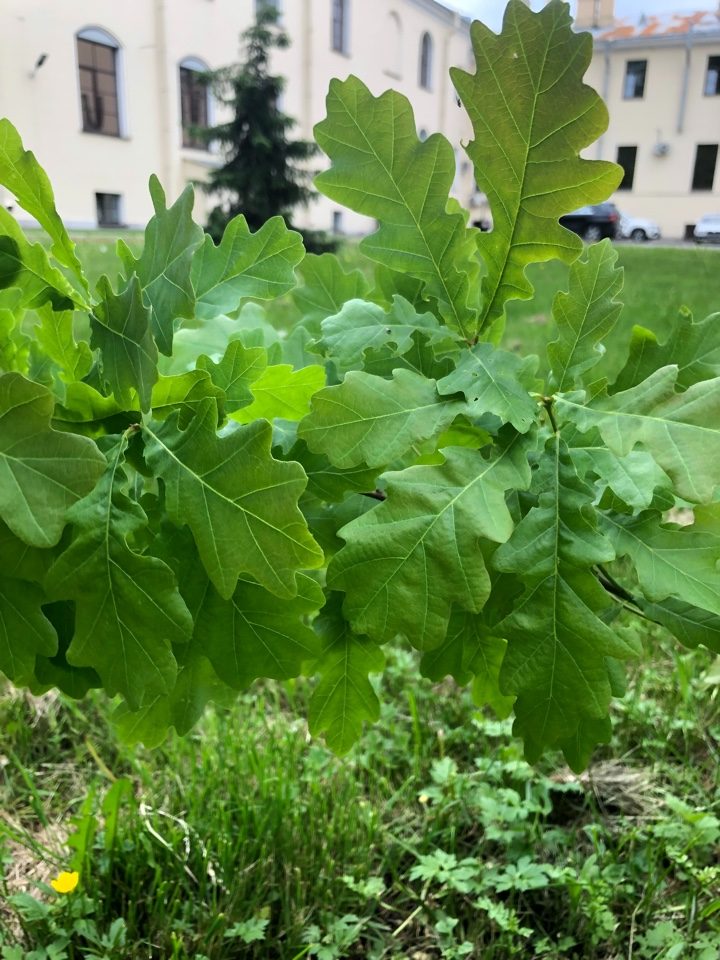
x: 660, y: 25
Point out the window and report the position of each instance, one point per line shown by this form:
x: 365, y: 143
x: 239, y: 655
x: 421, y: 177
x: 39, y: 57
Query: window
x: 705, y: 161
x: 426, y: 52
x: 626, y: 157
x: 108, y: 209
x: 194, y: 97
x: 422, y: 134
x: 97, y: 54
x: 712, y: 77
x: 635, y: 71
x: 340, y: 26
x: 337, y: 222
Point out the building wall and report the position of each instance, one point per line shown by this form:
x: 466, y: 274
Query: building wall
x: 154, y: 36
x: 670, y: 113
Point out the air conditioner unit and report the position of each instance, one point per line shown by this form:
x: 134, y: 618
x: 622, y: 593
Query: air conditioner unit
x: 661, y: 149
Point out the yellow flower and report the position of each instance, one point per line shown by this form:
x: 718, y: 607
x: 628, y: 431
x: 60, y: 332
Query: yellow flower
x: 65, y: 882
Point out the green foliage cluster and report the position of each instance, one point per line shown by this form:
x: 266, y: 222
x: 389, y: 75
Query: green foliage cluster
x: 190, y: 502
x: 433, y: 836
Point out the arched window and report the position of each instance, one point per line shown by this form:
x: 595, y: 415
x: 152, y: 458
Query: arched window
x: 194, y: 102
x: 394, y: 45
x: 340, y: 26
x: 98, y: 56
x: 426, y: 54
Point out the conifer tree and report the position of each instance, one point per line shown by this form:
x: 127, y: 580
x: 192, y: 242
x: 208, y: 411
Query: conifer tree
x: 265, y: 172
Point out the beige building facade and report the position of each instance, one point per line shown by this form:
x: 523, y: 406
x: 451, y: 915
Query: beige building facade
x: 660, y: 77
x: 106, y: 93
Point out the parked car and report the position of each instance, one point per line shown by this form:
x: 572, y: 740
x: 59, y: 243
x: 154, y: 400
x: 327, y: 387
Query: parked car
x: 707, y: 229
x: 594, y: 222
x: 638, y: 228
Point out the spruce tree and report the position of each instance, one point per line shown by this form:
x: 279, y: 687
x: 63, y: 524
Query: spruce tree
x: 264, y: 172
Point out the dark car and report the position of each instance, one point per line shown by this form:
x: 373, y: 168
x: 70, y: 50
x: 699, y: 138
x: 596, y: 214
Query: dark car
x: 594, y: 222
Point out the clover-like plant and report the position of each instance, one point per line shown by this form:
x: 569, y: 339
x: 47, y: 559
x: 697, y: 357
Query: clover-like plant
x: 190, y: 501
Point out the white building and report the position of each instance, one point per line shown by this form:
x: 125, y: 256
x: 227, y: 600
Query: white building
x: 660, y: 77
x: 104, y: 92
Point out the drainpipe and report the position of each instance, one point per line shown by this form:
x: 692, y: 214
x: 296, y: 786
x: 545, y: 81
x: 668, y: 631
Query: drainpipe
x: 685, y: 82
x: 445, y: 93
x: 605, y: 91
x: 168, y: 143
x: 307, y: 60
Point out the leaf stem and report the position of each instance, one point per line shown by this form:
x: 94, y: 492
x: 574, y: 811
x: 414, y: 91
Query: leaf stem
x: 623, y: 596
x: 547, y: 402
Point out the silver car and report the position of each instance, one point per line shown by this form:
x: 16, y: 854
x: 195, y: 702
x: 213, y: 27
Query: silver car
x: 707, y: 229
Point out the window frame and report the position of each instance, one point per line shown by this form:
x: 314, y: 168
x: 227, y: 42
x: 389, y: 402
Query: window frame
x: 425, y: 65
x: 635, y: 95
x: 628, y: 181
x: 340, y: 27
x: 708, y: 70
x: 100, y: 37
x: 194, y: 65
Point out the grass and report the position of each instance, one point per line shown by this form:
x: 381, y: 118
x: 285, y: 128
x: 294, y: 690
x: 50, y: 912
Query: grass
x: 658, y: 282
x: 433, y: 838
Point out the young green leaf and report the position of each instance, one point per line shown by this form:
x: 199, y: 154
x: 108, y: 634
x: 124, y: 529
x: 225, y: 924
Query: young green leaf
x: 381, y: 169
x: 164, y: 266
x: 672, y: 561
x: 120, y: 325
x: 239, y: 502
x: 531, y: 115
x: 251, y: 635
x: 361, y: 326
x: 23, y: 176
x: 344, y: 698
x: 239, y: 368
x: 369, y: 420
x: 326, y: 287
x: 330, y: 483
x: 197, y: 683
x: 494, y: 381
x: 633, y: 478
x: 694, y: 346
x: 557, y: 642
x: 26, y: 266
x: 470, y: 652
x: 54, y: 335
x: 680, y: 430
x: 407, y: 561
x: 185, y: 393
x: 690, y: 625
x: 244, y: 264
x: 25, y: 632
x: 584, y: 315
x: 128, y: 608
x: 42, y: 472
x: 282, y: 392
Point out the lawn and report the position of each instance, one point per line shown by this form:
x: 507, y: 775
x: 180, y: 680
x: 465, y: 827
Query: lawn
x: 432, y: 839
x: 658, y: 282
